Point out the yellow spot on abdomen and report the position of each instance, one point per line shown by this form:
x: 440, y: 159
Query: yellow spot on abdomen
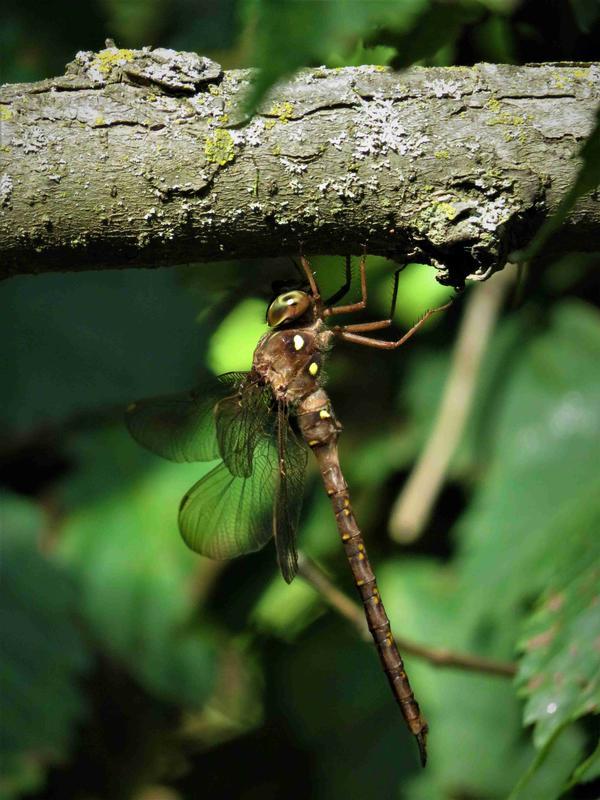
x: 298, y: 342
x: 314, y: 368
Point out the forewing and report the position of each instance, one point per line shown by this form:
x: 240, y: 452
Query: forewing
x: 181, y: 426
x: 241, y: 421
x: 224, y: 515
x: 292, y: 455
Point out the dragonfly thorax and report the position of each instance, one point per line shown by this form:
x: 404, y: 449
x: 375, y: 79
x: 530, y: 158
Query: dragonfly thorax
x: 290, y: 360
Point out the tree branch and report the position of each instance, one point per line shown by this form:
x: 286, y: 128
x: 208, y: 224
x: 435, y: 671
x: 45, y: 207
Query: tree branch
x: 147, y: 157
x: 439, y: 657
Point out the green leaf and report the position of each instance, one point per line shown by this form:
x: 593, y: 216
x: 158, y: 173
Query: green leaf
x: 587, y: 771
x: 586, y: 12
x: 43, y: 656
x: 79, y: 341
x: 539, y: 782
x: 287, y: 38
x: 588, y: 178
x: 534, y: 506
x: 560, y: 669
x: 137, y: 577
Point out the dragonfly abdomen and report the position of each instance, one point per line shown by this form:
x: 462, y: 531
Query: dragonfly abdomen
x: 320, y: 429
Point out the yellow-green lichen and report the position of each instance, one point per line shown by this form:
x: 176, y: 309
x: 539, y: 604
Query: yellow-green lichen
x: 219, y: 148
x: 580, y: 73
x: 442, y: 154
x: 107, y: 59
x: 283, y: 111
x: 507, y: 119
x: 502, y: 117
x: 214, y: 90
x: 447, y: 209
x: 6, y: 113
x: 99, y: 121
x: 276, y: 150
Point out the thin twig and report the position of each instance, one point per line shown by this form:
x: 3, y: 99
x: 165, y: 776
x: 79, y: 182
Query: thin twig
x: 438, y: 656
x: 413, y: 507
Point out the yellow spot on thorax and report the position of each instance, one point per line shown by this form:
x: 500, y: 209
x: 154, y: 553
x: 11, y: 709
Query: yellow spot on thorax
x: 324, y: 414
x: 298, y: 342
x: 314, y: 368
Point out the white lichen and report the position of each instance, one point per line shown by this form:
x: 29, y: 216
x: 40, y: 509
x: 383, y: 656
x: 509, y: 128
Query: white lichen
x: 292, y: 166
x: 33, y: 139
x: 378, y: 129
x: 494, y: 213
x: 251, y: 135
x: 442, y: 88
x: 337, y: 140
x: 6, y: 187
x: 348, y: 187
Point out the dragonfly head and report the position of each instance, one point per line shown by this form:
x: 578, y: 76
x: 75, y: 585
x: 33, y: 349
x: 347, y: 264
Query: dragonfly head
x: 290, y: 305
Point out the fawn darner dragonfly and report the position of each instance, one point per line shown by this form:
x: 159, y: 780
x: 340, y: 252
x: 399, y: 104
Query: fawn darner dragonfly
x: 261, y: 425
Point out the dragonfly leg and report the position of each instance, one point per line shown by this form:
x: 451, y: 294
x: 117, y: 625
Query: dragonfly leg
x: 310, y: 277
x: 344, y: 288
x: 362, y: 303
x: 379, y: 324
x: 347, y: 334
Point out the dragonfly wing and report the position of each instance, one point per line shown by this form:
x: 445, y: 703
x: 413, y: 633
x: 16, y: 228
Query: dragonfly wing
x: 225, y: 515
x: 292, y: 456
x: 181, y: 426
x: 241, y: 421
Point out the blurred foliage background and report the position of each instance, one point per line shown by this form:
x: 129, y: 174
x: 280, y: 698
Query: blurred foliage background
x: 133, y: 669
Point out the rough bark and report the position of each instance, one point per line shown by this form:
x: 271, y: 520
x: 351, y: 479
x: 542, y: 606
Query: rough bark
x: 147, y: 158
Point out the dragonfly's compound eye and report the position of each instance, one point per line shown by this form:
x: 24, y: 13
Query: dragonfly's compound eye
x: 287, y: 306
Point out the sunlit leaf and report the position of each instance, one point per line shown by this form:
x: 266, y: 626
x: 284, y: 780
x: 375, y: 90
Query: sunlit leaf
x: 232, y: 344
x: 286, y: 609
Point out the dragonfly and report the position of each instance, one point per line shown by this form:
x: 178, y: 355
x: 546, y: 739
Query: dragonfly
x: 262, y: 424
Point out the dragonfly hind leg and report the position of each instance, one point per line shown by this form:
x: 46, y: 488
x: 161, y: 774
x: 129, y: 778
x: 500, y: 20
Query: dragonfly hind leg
x: 350, y: 333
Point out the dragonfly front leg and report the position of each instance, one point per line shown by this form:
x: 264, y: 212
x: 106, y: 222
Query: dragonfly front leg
x: 361, y: 304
